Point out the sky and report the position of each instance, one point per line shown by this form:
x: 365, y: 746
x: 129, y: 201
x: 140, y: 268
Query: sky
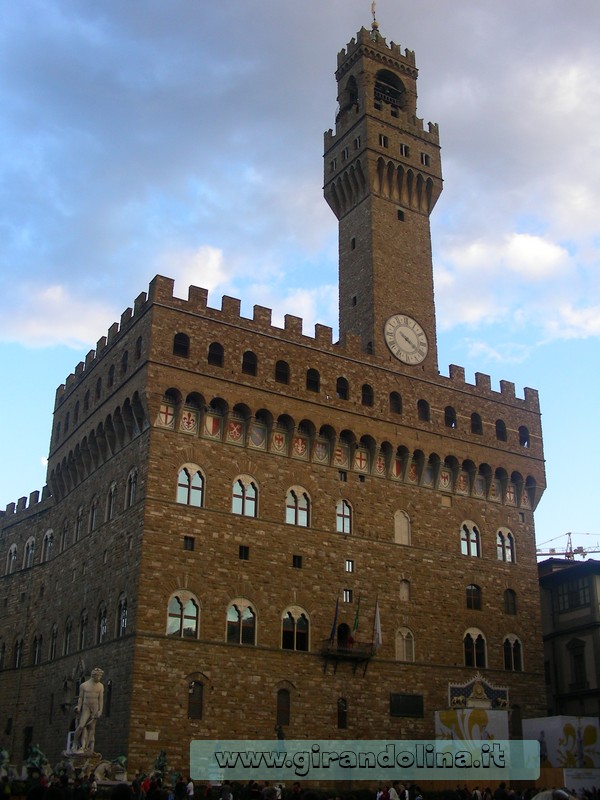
x: 185, y: 138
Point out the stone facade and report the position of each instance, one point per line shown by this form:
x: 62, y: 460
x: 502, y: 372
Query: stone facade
x: 364, y: 482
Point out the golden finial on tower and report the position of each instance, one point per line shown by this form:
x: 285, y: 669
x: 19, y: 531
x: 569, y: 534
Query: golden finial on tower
x: 374, y: 24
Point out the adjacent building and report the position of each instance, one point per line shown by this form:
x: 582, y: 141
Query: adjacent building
x: 570, y: 592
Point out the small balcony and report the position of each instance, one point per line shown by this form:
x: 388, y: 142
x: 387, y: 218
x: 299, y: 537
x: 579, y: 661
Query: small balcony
x: 357, y: 653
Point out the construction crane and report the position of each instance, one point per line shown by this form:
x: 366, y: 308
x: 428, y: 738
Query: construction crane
x: 569, y: 551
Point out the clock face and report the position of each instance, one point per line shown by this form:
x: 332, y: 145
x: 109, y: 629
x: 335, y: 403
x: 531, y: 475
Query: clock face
x: 406, y: 339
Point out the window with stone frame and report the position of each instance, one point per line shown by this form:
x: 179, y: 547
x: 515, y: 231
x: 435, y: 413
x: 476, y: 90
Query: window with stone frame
x: 241, y: 623
x: 131, y: 488
x: 53, y: 643
x: 405, y: 645
x: 473, y: 593
x: 183, y: 615
x: 512, y: 652
x: 195, y: 699
x: 11, y: 560
x: 474, y: 648
x: 29, y: 554
x: 244, y: 498
x: 505, y: 546
x: 284, y: 707
x: 181, y: 345
x: 510, y: 601
x: 190, y: 486
x: 122, y: 617
x: 343, y: 517
x: 111, y: 502
x: 101, y: 624
x: 470, y: 540
x: 297, y: 507
x: 294, y: 630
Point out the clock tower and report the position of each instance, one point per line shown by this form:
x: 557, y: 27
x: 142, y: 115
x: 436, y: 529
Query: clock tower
x: 382, y: 180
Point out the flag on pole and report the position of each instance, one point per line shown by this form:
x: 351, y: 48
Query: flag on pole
x: 377, y: 638
x: 335, y: 617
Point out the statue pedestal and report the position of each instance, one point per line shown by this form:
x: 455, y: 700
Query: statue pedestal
x: 84, y: 762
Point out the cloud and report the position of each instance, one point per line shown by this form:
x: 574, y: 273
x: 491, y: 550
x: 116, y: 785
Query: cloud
x: 50, y: 315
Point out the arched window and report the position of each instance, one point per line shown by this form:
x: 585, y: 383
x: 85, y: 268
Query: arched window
x: 67, y: 640
x: 36, y: 651
x: 366, y: 395
x: 47, y: 546
x: 294, y: 630
x: 501, y: 430
x: 523, y: 436
x: 93, y: 522
x: 111, y: 502
x: 342, y: 389
x: 53, y: 643
x: 183, y: 616
x: 450, y: 417
x: 131, y: 488
x: 11, y: 560
x: 401, y: 527
x: 474, y: 648
x: 405, y: 645
x: 282, y: 372
x: 313, y: 380
x: 283, y: 712
x: 64, y: 537
x: 474, y: 597
x: 18, y: 654
x: 76, y: 413
x: 83, y: 624
x: 395, y: 403
x: 29, y: 554
x: 86, y: 401
x: 512, y: 654
x: 78, y: 525
x: 470, y: 540
x: 476, y: 424
x: 216, y: 354
x: 510, y: 601
x: 244, y: 499
x: 389, y: 89
x: 98, y: 388
x: 404, y: 591
x: 190, y: 487
x: 343, y: 517
x: 181, y: 345
x: 101, y: 625
x: 423, y: 411
x: 195, y: 699
x: 241, y: 623
x: 249, y: 363
x: 124, y: 362
x: 122, y: 617
x: 138, y: 348
x: 505, y: 546
x: 297, y: 507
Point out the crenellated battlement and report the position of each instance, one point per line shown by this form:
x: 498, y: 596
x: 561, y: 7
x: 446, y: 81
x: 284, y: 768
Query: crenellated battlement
x: 25, y: 506
x: 371, y: 39
x: 115, y: 332
x: 161, y: 292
